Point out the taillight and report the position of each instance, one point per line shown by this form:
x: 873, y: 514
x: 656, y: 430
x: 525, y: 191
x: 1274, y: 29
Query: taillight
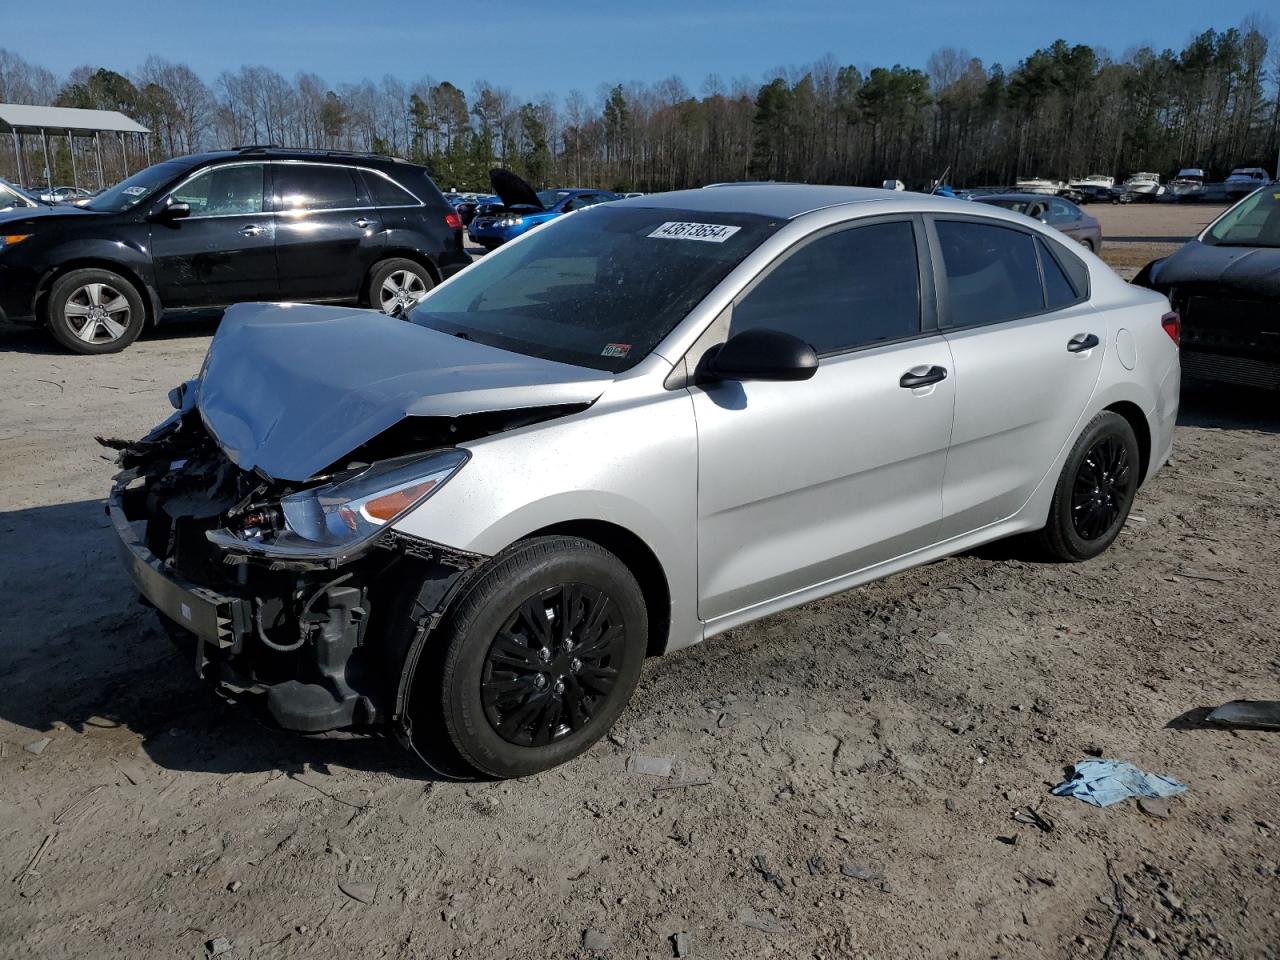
x: 1172, y: 324
x: 453, y: 221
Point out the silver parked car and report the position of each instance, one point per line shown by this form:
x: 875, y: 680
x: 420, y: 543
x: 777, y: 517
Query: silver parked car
x: 634, y: 428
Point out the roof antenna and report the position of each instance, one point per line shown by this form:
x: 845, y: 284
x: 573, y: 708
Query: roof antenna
x: 940, y: 181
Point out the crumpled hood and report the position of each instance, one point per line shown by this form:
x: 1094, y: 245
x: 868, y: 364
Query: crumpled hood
x: 289, y: 389
x: 1251, y: 270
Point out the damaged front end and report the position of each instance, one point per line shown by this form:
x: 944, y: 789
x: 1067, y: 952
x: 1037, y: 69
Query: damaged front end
x: 279, y: 581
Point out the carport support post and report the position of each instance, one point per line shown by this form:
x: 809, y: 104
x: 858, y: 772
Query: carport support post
x: 124, y: 152
x: 97, y: 145
x: 71, y: 150
x: 48, y: 167
x: 146, y: 139
x: 17, y: 158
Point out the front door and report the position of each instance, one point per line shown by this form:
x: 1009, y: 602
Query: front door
x: 803, y: 482
x: 225, y: 251
x: 1028, y: 349
x: 328, y: 233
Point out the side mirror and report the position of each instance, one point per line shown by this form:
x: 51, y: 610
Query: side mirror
x: 174, y: 211
x: 759, y: 355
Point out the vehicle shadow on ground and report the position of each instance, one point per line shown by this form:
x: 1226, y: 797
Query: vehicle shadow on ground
x: 34, y: 339
x: 81, y: 657
x: 1225, y: 407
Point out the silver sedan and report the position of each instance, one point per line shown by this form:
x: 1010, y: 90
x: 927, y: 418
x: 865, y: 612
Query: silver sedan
x: 634, y: 428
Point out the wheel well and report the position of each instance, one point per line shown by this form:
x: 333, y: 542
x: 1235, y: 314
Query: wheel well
x: 398, y: 253
x: 149, y: 300
x: 640, y: 560
x: 1141, y: 429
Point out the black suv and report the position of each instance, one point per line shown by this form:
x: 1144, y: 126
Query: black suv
x: 257, y: 223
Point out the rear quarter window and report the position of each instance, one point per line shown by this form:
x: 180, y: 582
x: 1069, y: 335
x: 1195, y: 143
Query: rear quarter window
x: 387, y: 194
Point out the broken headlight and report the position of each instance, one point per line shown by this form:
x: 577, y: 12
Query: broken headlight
x: 329, y: 520
x: 357, y: 508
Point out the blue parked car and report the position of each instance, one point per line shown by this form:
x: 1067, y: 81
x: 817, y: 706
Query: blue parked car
x: 523, y: 209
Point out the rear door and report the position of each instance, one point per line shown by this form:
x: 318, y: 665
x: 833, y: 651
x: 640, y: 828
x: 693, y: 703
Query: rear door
x: 1027, y: 347
x: 328, y: 232
x: 225, y: 251
x: 803, y: 482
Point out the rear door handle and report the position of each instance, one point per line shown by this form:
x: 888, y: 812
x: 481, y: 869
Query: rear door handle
x: 1082, y: 342
x: 250, y: 230
x: 922, y: 376
x: 362, y: 223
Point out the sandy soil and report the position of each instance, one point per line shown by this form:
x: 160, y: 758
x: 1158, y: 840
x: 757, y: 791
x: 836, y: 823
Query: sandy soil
x: 1134, y: 234
x: 840, y: 741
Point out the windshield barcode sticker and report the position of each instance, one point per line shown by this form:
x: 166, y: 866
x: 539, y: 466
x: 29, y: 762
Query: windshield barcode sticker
x: 707, y: 232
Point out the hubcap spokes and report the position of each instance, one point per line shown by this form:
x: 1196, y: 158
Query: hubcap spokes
x: 1102, y: 487
x: 401, y: 288
x: 552, y: 665
x: 97, y: 313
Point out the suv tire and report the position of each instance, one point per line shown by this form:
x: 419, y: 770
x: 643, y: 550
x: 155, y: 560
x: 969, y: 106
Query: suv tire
x: 398, y: 281
x: 93, y: 310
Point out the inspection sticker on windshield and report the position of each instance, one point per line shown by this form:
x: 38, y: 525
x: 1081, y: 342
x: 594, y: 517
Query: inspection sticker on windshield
x: 706, y: 232
x: 135, y: 191
x: 615, y: 350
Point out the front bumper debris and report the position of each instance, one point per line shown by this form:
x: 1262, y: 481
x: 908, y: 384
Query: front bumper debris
x: 310, y: 642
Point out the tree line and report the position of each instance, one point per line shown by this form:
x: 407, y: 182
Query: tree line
x: 1063, y: 111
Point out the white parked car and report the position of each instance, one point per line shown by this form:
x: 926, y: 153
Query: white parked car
x: 632, y: 429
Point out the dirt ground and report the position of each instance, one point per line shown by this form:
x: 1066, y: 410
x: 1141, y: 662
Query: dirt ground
x: 846, y: 778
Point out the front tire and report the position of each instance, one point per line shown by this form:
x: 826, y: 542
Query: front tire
x: 92, y: 311
x: 1095, y: 490
x: 540, y: 656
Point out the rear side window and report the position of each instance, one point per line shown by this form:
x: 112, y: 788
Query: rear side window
x: 310, y: 186
x: 387, y: 194
x: 1077, y: 273
x: 1058, y: 291
x: 991, y: 272
x: 845, y: 290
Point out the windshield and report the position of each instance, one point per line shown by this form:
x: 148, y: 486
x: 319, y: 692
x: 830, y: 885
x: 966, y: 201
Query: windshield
x: 127, y: 194
x: 549, y: 198
x: 14, y: 189
x: 599, y: 288
x: 1253, y: 222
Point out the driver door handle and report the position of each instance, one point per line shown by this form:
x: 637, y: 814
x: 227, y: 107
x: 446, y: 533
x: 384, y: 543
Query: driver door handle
x: 1082, y: 342
x: 250, y: 230
x: 362, y: 223
x: 926, y: 376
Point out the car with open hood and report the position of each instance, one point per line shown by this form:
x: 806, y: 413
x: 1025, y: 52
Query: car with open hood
x: 256, y: 223
x: 1225, y: 283
x: 523, y: 208
x: 627, y: 431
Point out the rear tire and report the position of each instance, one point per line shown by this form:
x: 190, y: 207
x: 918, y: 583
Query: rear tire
x: 538, y: 656
x: 1094, y: 492
x: 398, y: 282
x: 92, y: 311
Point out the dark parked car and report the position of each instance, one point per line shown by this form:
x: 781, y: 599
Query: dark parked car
x: 258, y: 223
x: 1226, y: 286
x: 1063, y: 215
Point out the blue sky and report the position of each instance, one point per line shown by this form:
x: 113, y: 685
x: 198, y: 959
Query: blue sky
x: 554, y: 46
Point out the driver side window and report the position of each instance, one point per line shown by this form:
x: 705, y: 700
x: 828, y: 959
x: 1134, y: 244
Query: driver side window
x: 846, y: 290
x: 224, y: 191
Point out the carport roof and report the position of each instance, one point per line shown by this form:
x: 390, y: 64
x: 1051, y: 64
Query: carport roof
x: 26, y: 118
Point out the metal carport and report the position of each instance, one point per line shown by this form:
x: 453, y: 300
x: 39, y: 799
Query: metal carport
x: 19, y: 119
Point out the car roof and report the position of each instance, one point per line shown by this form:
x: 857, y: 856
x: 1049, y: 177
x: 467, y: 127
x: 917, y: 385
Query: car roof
x: 790, y: 200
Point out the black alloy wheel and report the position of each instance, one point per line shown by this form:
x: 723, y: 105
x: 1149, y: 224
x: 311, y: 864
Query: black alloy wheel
x: 551, y: 664
x: 1095, y: 490
x: 1102, y: 488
